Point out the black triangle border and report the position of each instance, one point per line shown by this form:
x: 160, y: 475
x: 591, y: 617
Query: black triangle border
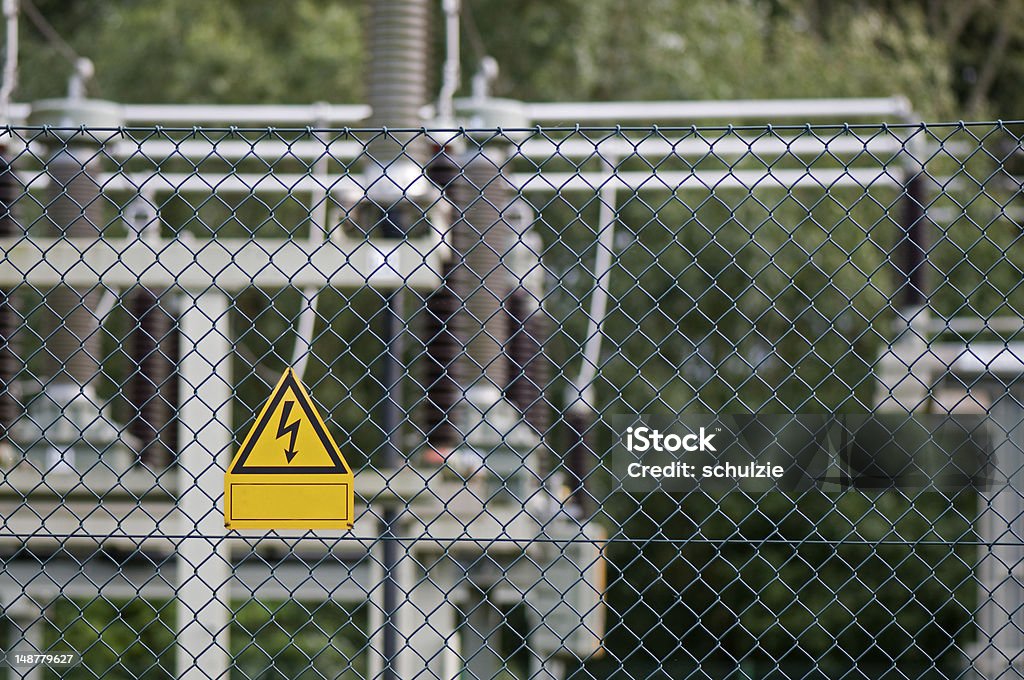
x: 340, y: 466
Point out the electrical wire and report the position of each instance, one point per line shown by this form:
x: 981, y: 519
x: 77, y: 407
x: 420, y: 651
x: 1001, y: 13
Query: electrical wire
x: 50, y: 33
x: 305, y: 325
x: 476, y: 41
x: 105, y: 305
x: 582, y: 388
x: 451, y: 540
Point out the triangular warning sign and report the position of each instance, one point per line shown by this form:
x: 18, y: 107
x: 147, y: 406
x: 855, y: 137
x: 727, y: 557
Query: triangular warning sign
x: 289, y: 437
x: 288, y: 473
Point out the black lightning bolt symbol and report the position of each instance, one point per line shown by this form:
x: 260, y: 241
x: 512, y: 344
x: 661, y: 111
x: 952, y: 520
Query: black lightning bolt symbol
x: 291, y: 428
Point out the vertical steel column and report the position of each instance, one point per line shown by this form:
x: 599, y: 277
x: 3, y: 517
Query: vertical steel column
x: 319, y: 197
x: 390, y: 422
x: 433, y: 617
x: 580, y: 397
x: 914, y: 225
x: 1000, y: 648
x: 904, y: 371
x: 26, y: 623
x: 396, y: 88
x: 481, y: 641
x: 203, y: 563
x: 10, y: 191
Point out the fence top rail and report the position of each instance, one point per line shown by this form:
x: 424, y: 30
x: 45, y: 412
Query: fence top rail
x: 323, y: 113
x: 443, y: 135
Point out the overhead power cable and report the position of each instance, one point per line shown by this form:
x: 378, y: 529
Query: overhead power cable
x: 50, y: 33
x: 472, y: 31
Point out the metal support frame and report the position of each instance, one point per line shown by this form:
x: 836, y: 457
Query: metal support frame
x: 227, y: 264
x: 525, y: 182
x: 204, y: 569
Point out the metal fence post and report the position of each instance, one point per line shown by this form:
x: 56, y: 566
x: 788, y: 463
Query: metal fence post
x: 203, y: 563
x: 433, y: 645
x: 27, y: 635
x: 481, y: 637
x: 1001, y: 553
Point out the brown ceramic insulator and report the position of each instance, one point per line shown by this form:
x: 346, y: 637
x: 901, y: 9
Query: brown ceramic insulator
x: 152, y: 389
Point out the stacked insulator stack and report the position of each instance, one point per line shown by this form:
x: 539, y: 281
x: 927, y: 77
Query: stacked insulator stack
x: 442, y: 346
x: 481, y: 279
x: 75, y: 210
x: 530, y: 369
x: 398, y: 77
x: 442, y: 354
x: 10, y: 191
x: 443, y: 170
x: 580, y: 457
x: 915, y: 245
x: 153, y: 387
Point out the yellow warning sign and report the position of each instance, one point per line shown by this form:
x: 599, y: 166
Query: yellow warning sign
x: 288, y: 473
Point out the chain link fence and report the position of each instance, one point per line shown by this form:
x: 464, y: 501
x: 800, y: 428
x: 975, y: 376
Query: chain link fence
x: 477, y: 338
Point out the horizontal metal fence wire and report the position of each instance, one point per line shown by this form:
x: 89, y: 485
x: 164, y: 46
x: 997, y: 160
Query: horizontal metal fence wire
x: 478, y: 333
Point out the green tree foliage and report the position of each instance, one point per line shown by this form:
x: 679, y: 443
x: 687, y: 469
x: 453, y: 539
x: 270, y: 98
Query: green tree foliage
x: 230, y: 51
x: 667, y: 49
x: 311, y: 50
x: 270, y: 640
